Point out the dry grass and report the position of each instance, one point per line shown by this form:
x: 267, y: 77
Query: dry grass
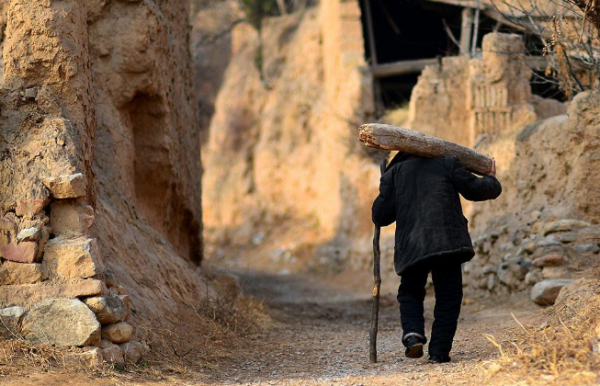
x: 240, y: 315
x: 207, y: 332
x: 561, y: 350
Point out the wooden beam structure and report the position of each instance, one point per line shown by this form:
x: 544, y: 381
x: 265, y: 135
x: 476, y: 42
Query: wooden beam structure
x: 401, y: 68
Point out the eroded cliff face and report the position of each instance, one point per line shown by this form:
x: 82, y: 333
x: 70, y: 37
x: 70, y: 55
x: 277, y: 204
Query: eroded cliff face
x: 287, y: 151
x: 100, y: 160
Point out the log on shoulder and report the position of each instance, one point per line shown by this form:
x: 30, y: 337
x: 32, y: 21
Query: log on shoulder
x: 388, y: 137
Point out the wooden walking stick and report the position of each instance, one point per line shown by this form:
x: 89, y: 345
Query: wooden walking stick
x: 376, y: 287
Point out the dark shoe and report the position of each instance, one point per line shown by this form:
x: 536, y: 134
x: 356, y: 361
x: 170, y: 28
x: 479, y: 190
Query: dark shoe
x: 439, y: 359
x: 414, y: 347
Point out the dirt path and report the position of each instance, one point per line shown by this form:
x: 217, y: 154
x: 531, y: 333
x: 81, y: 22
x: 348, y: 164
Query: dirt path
x: 320, y: 337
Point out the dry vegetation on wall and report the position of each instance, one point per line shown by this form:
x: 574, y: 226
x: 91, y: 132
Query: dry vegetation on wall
x: 569, y: 31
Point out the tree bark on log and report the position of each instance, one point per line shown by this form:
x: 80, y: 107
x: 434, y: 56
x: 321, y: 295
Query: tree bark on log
x: 388, y: 137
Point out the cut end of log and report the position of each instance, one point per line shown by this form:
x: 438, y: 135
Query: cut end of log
x: 363, y: 134
x: 366, y: 134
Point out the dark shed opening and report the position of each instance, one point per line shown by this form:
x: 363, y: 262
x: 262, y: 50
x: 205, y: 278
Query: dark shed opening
x: 408, y: 30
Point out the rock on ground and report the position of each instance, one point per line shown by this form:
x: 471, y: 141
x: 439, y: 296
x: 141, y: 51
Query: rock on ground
x: 134, y: 351
x: 62, y: 322
x: 545, y: 292
x: 111, y: 352
x: 89, y: 358
x: 10, y: 317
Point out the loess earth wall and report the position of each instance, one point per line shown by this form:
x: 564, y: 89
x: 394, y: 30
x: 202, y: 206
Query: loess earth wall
x: 100, y: 200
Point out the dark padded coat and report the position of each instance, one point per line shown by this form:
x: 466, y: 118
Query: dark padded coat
x: 421, y: 195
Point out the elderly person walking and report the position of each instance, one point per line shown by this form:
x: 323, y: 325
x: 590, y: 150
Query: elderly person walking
x: 422, y: 196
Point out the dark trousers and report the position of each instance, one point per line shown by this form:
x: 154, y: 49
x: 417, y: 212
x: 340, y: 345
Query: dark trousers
x: 447, y: 282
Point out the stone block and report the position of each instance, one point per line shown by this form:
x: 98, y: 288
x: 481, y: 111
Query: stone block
x: 111, y: 352
x: 545, y: 292
x: 555, y: 273
x: 67, y: 259
x: 108, y: 309
x: 589, y: 235
x: 118, y: 332
x: 91, y: 357
x: 552, y: 260
x: 66, y: 186
x: 533, y: 277
x: 537, y: 227
x: 31, y: 207
x: 566, y: 237
x: 61, y: 322
x: 28, y: 234
x: 507, y: 277
x: 529, y: 247
x: 564, y: 226
x: 7, y: 224
x: 134, y: 352
x: 10, y: 317
x: 588, y: 247
x: 24, y: 252
x: 68, y: 219
x: 19, y: 273
x: 29, y: 294
x: 491, y: 282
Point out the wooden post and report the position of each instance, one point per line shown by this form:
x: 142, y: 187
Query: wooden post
x: 388, y: 137
x: 376, y: 286
x: 466, y: 29
x: 371, y: 35
x: 475, y: 32
x: 402, y: 67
